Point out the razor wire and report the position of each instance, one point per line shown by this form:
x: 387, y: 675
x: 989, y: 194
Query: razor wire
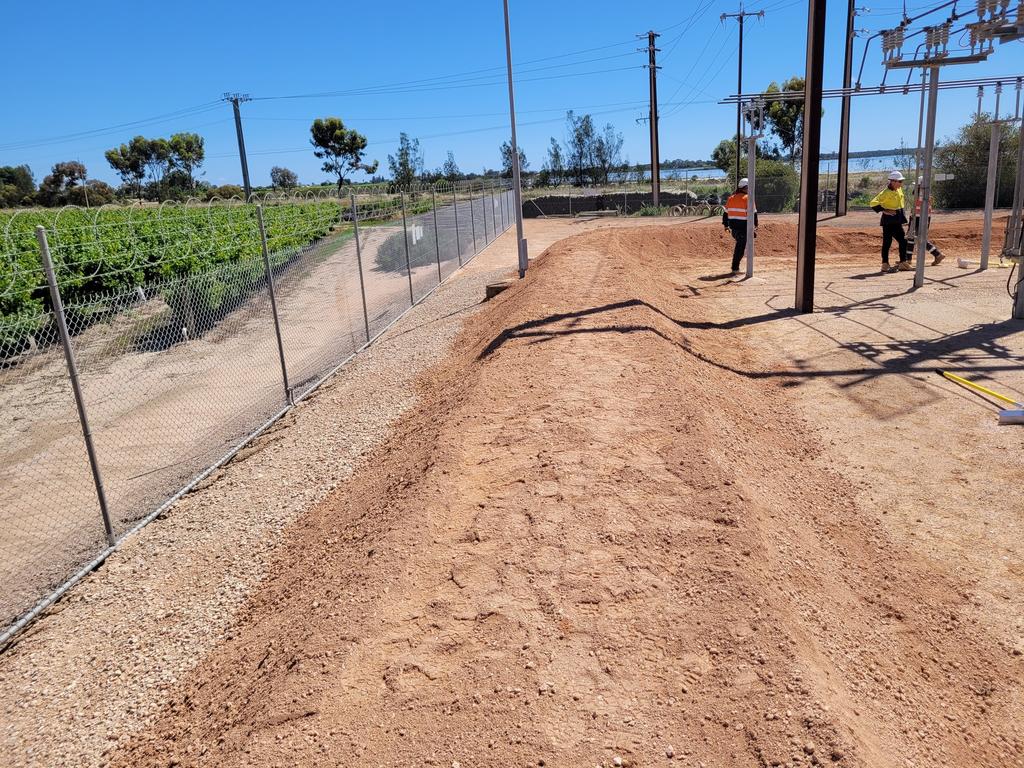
x: 191, y: 329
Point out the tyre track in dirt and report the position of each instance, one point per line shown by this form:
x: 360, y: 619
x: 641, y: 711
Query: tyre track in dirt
x: 590, y: 542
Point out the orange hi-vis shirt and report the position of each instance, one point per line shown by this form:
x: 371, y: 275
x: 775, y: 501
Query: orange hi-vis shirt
x: 736, y: 206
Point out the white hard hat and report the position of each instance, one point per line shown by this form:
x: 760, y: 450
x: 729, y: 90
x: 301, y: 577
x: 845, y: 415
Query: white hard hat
x: 895, y: 176
x: 744, y: 182
x: 920, y: 179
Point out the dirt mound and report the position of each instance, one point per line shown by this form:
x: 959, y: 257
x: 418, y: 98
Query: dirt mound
x: 594, y: 541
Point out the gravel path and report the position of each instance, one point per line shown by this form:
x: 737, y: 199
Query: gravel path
x: 99, y: 665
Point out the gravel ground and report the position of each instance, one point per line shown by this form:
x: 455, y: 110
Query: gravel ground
x: 123, y: 637
x: 644, y: 513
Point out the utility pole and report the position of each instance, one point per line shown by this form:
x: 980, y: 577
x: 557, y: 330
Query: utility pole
x: 740, y: 16
x: 652, y: 115
x: 517, y: 192
x: 236, y: 99
x: 844, y: 120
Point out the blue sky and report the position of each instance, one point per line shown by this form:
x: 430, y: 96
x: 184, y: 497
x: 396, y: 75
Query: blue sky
x: 84, y: 67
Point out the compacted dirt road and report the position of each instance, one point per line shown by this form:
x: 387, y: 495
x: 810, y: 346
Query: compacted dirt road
x: 596, y: 542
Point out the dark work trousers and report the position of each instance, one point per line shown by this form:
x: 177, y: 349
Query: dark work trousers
x: 892, y: 229
x: 739, y: 234
x: 912, y: 236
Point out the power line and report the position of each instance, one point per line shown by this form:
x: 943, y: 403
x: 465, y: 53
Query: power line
x: 64, y: 138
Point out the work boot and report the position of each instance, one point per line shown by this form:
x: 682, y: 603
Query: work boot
x: 937, y: 257
x: 887, y: 268
x: 905, y: 266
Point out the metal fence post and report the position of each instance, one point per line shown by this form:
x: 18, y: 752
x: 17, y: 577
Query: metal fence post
x: 483, y: 210
x: 289, y: 398
x: 472, y: 217
x: 437, y: 237
x: 458, y: 238
x: 408, y: 264
x: 359, y: 263
x: 494, y: 216
x: 69, y: 358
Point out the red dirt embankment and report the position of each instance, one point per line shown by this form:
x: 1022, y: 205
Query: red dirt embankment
x: 590, y: 544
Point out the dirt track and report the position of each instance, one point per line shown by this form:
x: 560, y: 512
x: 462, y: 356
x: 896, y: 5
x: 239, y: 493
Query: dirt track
x: 611, y: 531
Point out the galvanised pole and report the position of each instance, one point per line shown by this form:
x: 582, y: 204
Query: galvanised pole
x: 458, y: 237
x: 76, y: 388
x: 472, y: 217
x: 288, y: 397
x: 990, y: 181
x: 359, y: 264
x: 517, y: 192
x: 437, y: 237
x: 926, y: 192
x: 842, y: 177
x: 408, y: 264
x: 751, y: 203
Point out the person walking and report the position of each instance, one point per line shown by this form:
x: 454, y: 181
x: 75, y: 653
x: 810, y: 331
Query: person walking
x: 890, y: 203
x: 734, y: 219
x: 937, y: 255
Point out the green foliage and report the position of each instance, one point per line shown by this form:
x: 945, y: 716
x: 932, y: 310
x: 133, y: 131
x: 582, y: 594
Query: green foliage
x: 407, y: 164
x: 63, y: 176
x: 965, y: 157
x: 786, y: 118
x: 129, y: 162
x: 187, y: 153
x: 17, y: 185
x: 283, y: 178
x: 450, y: 169
x: 776, y: 186
x: 339, y: 147
x: 114, y: 250
x: 506, y: 160
x: 654, y: 210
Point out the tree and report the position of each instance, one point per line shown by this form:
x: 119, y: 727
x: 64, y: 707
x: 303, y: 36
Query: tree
x: 339, y: 147
x: 17, y: 185
x: 186, y: 154
x: 786, y: 118
x: 556, y: 163
x: 724, y: 155
x: 965, y: 158
x: 63, y: 176
x: 92, y: 193
x: 157, y: 154
x: 407, y: 164
x: 506, y: 160
x: 129, y: 161
x: 580, y: 147
x: 607, y: 153
x: 283, y: 178
x: 450, y: 169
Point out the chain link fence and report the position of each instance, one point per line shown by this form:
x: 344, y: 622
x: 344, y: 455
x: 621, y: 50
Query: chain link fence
x: 163, y: 338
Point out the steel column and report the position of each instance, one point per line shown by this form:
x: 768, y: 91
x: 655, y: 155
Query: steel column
x: 288, y: 397
x: 751, y: 203
x: 990, y: 182
x: 808, y: 222
x: 359, y: 265
x: 69, y: 358
x: 521, y: 248
x: 842, y: 175
x: 926, y: 191
x: 437, y: 237
x: 408, y: 265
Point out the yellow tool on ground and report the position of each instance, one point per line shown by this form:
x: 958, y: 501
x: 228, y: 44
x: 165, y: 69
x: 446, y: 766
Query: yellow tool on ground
x: 1014, y: 415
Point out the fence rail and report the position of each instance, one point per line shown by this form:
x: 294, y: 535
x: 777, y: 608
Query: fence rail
x: 141, y: 347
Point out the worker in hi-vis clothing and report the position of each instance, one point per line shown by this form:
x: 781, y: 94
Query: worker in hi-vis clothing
x: 889, y: 202
x: 937, y: 255
x: 734, y: 219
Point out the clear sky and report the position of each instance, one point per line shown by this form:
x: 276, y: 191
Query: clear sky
x: 432, y: 69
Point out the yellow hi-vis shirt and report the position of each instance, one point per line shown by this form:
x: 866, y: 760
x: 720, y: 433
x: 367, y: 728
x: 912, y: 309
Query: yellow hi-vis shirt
x: 889, y: 199
x: 736, y: 206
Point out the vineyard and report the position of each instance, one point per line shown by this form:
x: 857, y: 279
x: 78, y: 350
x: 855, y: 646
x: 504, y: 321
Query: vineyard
x: 111, y: 249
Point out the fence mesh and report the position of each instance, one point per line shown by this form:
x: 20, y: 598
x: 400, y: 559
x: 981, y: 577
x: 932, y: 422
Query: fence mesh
x: 173, y: 331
